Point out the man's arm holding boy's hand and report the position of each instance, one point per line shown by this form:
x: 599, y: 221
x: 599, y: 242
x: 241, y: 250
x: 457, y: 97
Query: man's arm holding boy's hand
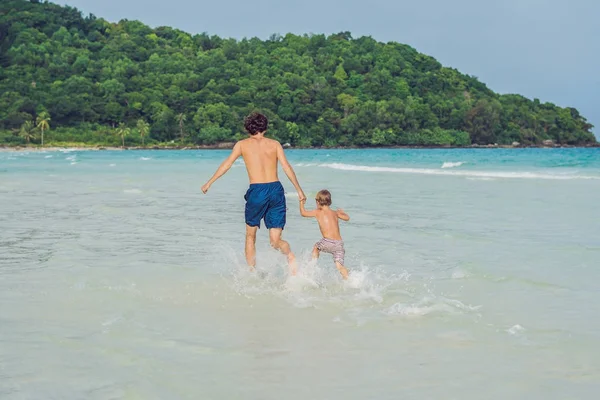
x: 289, y: 171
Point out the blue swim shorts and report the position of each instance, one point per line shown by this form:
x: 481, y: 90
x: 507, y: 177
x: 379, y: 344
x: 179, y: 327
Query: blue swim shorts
x: 265, y: 201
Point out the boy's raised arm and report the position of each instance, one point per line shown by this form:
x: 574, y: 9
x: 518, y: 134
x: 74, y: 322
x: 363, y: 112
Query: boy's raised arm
x: 342, y: 215
x: 224, y: 167
x: 289, y: 171
x: 304, y: 212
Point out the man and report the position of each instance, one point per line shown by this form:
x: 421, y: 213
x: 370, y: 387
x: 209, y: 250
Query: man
x: 265, y: 199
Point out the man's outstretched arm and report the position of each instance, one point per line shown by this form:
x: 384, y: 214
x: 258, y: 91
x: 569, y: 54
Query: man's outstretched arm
x: 224, y: 167
x: 289, y: 171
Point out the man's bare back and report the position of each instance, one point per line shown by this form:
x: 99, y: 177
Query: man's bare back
x: 260, y: 156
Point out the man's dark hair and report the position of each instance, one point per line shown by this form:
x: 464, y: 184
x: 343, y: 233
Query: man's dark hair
x: 256, y: 123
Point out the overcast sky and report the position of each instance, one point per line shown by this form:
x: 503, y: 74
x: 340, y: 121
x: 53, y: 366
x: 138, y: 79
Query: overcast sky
x: 549, y: 49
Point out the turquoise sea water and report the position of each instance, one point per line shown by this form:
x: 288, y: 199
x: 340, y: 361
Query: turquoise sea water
x: 474, y: 275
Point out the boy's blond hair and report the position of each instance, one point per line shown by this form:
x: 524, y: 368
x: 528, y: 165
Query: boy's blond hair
x: 323, y: 198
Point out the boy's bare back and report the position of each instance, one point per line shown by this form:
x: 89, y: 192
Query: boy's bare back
x: 260, y: 156
x: 328, y: 223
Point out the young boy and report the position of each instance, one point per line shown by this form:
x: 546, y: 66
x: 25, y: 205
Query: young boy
x: 330, y: 229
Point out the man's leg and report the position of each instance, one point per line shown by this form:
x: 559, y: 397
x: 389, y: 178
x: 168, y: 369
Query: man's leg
x: 251, y: 246
x: 284, y: 247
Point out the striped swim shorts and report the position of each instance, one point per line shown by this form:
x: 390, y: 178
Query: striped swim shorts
x: 334, y: 247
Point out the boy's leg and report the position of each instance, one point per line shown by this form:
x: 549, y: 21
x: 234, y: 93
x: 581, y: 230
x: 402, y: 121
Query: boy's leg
x: 251, y: 246
x: 283, y: 246
x: 315, y: 252
x: 342, y: 269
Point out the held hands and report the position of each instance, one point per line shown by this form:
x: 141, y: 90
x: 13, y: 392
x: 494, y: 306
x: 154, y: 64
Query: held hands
x: 301, y: 196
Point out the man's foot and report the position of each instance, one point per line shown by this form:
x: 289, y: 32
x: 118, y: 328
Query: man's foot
x: 292, y: 264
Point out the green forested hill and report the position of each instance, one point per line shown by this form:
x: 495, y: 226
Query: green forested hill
x: 99, y: 82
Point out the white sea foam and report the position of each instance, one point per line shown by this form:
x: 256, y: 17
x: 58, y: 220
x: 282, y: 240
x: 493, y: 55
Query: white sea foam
x: 112, y: 165
x: 452, y: 164
x: 459, y: 274
x: 319, y: 285
x: 481, y: 179
x: 476, y: 174
x: 430, y: 305
x: 145, y: 158
x: 48, y: 157
x: 515, y: 330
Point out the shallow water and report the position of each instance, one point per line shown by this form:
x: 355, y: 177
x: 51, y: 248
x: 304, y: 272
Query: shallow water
x: 473, y: 271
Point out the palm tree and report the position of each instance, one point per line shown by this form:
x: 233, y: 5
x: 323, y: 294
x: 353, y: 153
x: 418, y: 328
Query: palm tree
x: 181, y: 118
x: 27, y: 131
x: 43, y: 123
x: 123, y: 131
x: 143, y: 127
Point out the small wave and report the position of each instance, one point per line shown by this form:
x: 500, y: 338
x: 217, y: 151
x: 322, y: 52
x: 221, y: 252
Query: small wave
x: 459, y: 274
x: 481, y: 179
x: 430, y: 305
x: 515, y: 330
x: 145, y: 158
x: 452, y: 164
x: 132, y: 191
x: 477, y: 174
x: 48, y: 157
x: 73, y: 149
x: 112, y: 165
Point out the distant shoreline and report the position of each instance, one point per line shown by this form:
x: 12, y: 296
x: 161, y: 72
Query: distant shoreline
x: 227, y: 146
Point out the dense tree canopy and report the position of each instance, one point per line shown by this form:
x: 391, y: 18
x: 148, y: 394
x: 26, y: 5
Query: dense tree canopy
x: 91, y: 77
